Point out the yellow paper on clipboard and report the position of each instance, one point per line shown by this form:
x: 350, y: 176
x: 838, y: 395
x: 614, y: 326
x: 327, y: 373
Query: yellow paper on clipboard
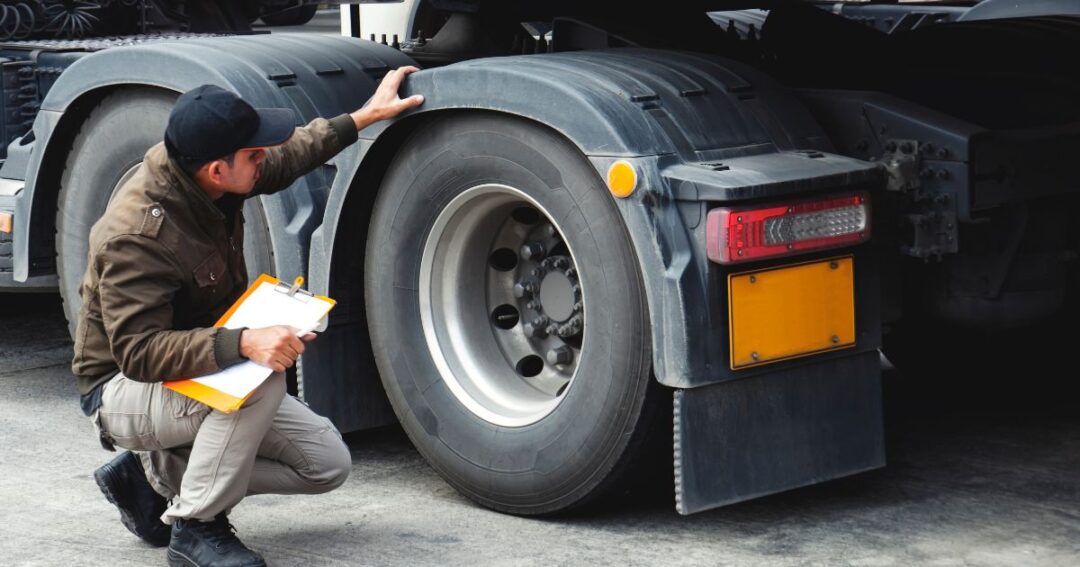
x: 266, y: 303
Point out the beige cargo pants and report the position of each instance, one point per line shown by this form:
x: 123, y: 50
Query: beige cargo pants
x: 206, y: 461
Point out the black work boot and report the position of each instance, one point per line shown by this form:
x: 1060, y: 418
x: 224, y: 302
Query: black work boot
x: 124, y: 483
x: 202, y: 544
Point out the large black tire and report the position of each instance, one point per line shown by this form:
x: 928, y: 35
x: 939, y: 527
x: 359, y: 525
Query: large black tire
x: 292, y: 17
x: 112, y: 141
x: 586, y: 444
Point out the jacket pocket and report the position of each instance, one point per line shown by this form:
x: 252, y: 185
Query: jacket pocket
x: 211, y: 272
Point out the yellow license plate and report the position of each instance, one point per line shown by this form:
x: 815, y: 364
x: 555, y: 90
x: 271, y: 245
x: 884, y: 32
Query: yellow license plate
x: 789, y: 312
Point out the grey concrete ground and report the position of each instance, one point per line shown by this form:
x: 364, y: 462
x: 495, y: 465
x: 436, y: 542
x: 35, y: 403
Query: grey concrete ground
x: 987, y: 481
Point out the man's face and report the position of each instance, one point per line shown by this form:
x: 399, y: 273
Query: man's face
x: 240, y: 177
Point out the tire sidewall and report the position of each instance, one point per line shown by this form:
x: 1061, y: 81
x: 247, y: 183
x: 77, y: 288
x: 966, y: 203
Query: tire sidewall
x: 113, y: 139
x: 560, y: 459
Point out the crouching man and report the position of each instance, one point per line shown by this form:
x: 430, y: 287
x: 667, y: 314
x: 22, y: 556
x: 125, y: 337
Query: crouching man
x: 165, y: 262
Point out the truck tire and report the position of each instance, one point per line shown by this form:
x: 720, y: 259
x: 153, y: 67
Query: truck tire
x: 489, y: 238
x: 297, y: 16
x: 107, y: 150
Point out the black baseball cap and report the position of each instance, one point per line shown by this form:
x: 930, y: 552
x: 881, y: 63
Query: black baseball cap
x: 209, y: 122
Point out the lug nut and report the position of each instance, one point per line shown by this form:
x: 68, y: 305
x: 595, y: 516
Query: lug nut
x: 552, y: 329
x: 534, y: 331
x: 562, y: 263
x: 560, y: 356
x: 538, y: 272
x: 532, y: 251
x: 525, y: 288
x: 534, y: 305
x: 575, y: 324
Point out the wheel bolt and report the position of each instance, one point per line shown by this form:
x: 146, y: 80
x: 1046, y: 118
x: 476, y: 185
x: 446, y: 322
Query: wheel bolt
x: 534, y: 331
x: 552, y: 329
x: 534, y: 305
x: 532, y: 251
x: 538, y: 272
x: 562, y: 263
x: 560, y: 355
x: 571, y: 272
x: 525, y: 288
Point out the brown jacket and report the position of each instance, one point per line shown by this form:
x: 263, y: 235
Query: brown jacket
x: 162, y: 266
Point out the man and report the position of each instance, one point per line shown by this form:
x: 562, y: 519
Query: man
x: 165, y: 262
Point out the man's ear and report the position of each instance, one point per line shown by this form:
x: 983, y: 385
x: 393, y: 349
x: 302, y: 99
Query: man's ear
x: 215, y: 171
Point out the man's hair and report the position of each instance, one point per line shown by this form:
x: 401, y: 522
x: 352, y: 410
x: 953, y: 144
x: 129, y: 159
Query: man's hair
x: 190, y: 167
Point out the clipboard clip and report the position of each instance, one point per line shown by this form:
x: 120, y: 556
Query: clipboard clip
x: 294, y: 289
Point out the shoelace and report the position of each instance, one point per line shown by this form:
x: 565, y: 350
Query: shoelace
x: 219, y: 532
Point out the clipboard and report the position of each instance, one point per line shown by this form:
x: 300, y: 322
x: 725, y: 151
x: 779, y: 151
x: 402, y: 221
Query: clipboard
x: 267, y: 302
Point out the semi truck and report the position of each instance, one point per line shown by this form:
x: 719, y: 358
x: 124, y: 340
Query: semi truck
x: 615, y: 240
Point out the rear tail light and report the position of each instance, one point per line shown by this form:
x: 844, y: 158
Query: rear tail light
x: 743, y: 234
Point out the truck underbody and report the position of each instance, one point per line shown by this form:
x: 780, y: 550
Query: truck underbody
x: 534, y: 326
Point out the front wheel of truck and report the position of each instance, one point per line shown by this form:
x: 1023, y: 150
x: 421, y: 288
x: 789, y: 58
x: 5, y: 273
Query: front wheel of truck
x: 508, y: 315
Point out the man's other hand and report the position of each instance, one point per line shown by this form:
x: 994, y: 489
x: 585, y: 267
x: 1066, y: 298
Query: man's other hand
x: 386, y: 103
x: 273, y: 347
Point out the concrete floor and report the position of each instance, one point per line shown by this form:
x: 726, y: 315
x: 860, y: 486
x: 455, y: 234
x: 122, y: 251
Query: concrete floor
x: 969, y: 482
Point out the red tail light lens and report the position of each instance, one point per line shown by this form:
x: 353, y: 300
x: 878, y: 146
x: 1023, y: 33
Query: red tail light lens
x: 743, y: 234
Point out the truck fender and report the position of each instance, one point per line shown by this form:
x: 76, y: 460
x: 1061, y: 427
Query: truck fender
x: 659, y: 110
x: 313, y: 75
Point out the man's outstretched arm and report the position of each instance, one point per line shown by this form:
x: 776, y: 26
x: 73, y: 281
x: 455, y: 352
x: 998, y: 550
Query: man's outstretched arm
x: 314, y: 144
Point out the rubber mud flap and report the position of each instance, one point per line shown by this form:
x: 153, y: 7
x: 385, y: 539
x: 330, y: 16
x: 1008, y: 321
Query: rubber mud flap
x: 747, y: 438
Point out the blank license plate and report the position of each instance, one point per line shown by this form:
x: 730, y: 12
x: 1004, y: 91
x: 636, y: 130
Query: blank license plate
x: 793, y: 311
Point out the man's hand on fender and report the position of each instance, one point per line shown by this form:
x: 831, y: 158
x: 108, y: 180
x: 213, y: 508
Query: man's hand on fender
x: 386, y: 103
x: 274, y: 347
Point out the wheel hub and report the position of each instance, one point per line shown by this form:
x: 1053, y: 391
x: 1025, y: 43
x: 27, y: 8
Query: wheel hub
x: 502, y: 305
x: 552, y: 293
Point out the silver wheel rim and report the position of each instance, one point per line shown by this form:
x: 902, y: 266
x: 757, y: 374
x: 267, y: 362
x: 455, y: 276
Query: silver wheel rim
x: 501, y: 305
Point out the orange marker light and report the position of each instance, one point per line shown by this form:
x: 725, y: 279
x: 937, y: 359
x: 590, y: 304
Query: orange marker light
x: 621, y: 179
x: 7, y: 220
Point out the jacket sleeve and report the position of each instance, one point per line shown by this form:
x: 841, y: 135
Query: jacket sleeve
x: 309, y: 147
x: 138, y: 282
